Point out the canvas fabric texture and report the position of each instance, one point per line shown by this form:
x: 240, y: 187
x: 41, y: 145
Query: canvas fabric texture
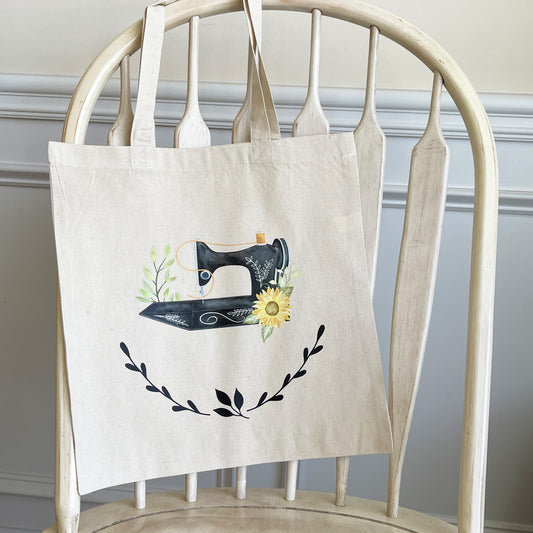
x: 275, y: 357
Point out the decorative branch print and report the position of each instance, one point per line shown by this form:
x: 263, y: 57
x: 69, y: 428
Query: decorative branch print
x: 277, y: 397
x: 224, y: 399
x: 191, y: 406
x: 156, y: 278
x: 235, y: 407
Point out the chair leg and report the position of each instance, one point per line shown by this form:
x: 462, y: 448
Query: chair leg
x: 67, y: 498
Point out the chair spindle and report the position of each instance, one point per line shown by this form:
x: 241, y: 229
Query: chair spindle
x: 240, y: 483
x: 119, y: 135
x: 311, y: 119
x: 291, y: 480
x: 120, y: 132
x: 139, y: 494
x: 415, y: 285
x: 67, y: 498
x: 191, y: 487
x: 192, y: 130
x: 370, y: 145
x: 343, y: 465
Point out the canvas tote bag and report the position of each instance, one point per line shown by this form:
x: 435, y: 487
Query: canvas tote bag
x: 216, y: 303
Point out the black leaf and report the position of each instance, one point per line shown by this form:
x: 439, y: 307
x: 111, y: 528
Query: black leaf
x: 192, y: 406
x: 165, y: 391
x: 151, y: 388
x: 262, y: 399
x: 320, y: 332
x: 238, y: 399
x: 306, y: 354
x: 131, y: 367
x: 223, y: 412
x: 177, y: 408
x: 300, y: 374
x: 143, y: 369
x: 223, y: 397
x: 124, y: 348
x: 286, y: 380
x: 277, y: 398
x: 317, y: 349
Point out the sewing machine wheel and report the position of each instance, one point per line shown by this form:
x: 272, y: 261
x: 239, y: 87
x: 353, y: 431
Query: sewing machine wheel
x: 281, y: 244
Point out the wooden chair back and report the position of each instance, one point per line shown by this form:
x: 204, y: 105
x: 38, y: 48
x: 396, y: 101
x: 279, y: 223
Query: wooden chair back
x: 420, y: 241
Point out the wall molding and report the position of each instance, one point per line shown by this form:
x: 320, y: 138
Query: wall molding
x: 401, y: 114
x: 33, y: 485
x: 394, y: 196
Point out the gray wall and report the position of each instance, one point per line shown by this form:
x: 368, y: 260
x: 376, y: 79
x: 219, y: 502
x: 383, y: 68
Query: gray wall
x: 31, y: 110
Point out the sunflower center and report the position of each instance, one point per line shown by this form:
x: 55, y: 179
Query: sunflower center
x: 272, y: 308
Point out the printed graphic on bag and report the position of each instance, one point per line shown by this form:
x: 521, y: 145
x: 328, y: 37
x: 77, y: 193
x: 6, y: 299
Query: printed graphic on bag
x: 268, y: 303
x: 237, y: 405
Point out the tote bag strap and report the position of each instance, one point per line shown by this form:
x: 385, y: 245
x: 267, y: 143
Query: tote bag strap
x: 263, y: 121
x: 143, y: 128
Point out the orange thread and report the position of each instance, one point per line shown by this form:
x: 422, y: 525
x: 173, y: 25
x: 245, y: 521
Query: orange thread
x: 204, y: 269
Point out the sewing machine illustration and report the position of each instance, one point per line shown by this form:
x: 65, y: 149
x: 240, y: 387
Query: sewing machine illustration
x: 262, y: 261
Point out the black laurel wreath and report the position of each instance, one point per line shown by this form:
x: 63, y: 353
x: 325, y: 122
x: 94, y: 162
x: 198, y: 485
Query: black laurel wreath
x: 235, y: 405
x: 177, y: 407
x: 276, y: 397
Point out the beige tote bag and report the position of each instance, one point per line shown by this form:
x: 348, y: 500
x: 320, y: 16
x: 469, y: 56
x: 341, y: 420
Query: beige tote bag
x: 216, y: 302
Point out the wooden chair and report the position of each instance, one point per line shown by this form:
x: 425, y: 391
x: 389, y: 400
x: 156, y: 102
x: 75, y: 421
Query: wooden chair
x: 278, y: 510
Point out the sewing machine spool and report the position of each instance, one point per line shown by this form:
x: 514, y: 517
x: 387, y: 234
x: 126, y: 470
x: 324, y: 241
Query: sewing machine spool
x: 262, y: 262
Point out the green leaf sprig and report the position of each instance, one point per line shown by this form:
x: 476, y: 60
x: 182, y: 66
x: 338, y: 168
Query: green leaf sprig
x: 155, y: 285
x: 285, y: 279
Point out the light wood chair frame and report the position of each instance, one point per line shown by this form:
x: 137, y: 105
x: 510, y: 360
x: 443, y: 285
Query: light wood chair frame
x: 482, y: 281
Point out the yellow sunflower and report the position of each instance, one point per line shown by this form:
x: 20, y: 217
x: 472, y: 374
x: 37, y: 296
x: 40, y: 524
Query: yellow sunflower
x: 272, y: 307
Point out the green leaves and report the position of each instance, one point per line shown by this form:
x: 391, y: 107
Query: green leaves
x: 251, y: 319
x: 155, y: 286
x: 287, y: 290
x: 266, y: 331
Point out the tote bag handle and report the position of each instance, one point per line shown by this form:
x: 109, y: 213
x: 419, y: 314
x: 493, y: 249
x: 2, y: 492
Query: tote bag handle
x: 263, y: 122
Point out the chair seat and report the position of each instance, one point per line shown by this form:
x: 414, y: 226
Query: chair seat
x: 264, y: 510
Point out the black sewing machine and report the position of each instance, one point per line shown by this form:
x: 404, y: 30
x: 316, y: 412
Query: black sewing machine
x: 261, y: 260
